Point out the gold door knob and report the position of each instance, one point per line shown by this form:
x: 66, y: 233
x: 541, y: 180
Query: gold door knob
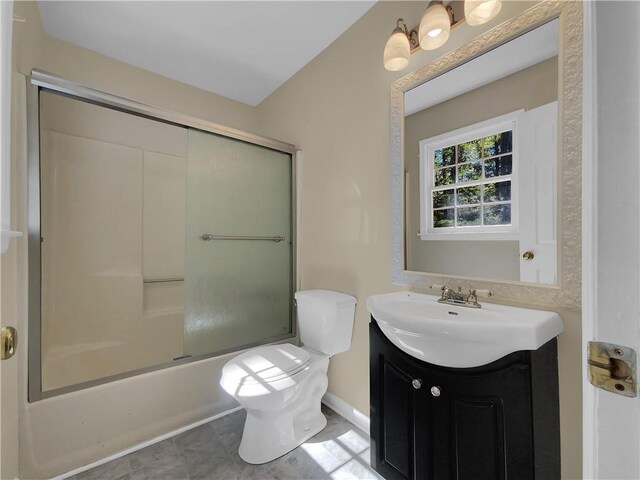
x: 528, y: 255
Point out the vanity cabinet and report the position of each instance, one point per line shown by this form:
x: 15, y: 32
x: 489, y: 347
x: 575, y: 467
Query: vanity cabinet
x: 497, y: 421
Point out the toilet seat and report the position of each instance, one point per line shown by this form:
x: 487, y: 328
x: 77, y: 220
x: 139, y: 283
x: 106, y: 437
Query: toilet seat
x: 265, y: 365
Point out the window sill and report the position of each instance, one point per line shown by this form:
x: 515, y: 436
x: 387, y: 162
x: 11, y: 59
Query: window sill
x: 469, y: 236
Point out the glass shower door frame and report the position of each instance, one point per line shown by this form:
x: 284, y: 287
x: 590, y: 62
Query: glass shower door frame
x: 40, y: 81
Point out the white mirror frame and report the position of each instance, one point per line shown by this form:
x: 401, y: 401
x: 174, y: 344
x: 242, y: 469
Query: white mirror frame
x: 567, y: 292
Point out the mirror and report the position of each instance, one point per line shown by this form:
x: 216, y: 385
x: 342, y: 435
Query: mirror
x: 486, y: 146
x: 480, y: 161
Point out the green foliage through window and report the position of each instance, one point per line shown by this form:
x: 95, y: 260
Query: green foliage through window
x: 483, y: 161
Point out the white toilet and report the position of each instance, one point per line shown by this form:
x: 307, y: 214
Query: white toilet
x: 281, y: 386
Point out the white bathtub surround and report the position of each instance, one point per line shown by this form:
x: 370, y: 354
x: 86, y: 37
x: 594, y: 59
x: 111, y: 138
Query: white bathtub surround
x: 143, y: 445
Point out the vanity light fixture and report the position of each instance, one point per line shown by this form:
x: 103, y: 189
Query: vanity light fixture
x: 477, y: 12
x: 434, y: 29
x: 435, y: 26
x: 399, y: 47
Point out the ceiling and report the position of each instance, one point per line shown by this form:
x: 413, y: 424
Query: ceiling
x: 242, y: 50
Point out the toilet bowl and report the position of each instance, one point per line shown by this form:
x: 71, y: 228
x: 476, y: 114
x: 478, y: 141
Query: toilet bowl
x: 281, y: 386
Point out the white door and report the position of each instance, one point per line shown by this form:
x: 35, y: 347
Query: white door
x: 8, y: 259
x: 537, y: 146
x: 8, y: 371
x: 611, y: 217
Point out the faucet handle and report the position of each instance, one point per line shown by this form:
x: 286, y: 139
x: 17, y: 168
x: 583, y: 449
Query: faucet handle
x: 472, y: 296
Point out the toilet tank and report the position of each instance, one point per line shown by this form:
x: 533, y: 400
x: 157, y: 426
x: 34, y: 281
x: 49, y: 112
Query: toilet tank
x: 325, y: 320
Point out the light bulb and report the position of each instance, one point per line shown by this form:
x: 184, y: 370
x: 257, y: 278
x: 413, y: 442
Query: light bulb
x: 397, y: 51
x: 434, y: 27
x: 477, y: 12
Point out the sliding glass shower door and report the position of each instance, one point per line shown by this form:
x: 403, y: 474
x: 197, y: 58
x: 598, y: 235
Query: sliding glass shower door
x: 153, y: 242
x: 238, y: 278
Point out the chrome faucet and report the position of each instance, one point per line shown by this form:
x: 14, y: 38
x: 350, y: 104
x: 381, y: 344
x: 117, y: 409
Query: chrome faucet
x: 452, y: 297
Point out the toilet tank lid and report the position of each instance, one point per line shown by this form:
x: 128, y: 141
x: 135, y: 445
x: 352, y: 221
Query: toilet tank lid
x: 326, y: 296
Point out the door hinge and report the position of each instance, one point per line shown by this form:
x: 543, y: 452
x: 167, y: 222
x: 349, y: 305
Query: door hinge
x: 613, y: 368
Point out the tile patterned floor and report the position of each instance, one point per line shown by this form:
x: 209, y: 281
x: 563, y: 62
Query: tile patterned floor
x: 210, y: 452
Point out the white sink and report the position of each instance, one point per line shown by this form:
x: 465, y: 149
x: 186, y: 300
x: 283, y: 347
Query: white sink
x: 460, y: 337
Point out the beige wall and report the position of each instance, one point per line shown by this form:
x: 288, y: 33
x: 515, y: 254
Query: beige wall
x: 497, y: 259
x: 527, y: 89
x: 337, y: 110
x: 112, y: 76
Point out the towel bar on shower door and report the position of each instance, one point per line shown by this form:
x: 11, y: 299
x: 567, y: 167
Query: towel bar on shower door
x: 207, y: 237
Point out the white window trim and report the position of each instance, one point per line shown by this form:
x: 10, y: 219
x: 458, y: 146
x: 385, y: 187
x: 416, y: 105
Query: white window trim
x: 427, y: 146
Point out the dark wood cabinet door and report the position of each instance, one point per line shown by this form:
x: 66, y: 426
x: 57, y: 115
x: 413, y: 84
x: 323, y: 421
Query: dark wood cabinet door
x: 397, y: 430
x: 393, y: 403
x: 480, y: 426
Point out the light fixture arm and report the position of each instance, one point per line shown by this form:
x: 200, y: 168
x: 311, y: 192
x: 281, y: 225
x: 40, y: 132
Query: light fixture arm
x: 412, y: 35
x: 414, y: 41
x: 452, y: 15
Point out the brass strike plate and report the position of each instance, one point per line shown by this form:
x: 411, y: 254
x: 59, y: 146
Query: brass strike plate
x: 613, y: 368
x: 8, y: 342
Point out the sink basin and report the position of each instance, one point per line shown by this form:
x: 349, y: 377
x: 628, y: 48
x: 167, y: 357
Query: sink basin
x: 460, y: 337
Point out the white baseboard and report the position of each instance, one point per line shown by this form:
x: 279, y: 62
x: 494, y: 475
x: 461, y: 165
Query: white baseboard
x: 347, y: 411
x: 145, y: 444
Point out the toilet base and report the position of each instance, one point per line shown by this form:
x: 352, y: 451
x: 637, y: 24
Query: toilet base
x: 269, y: 434
x: 257, y: 448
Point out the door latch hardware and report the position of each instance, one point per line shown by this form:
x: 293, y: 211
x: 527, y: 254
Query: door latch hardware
x: 613, y: 368
x: 528, y: 255
x: 8, y: 342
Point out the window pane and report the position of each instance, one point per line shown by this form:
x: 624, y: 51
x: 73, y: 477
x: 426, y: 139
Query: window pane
x: 497, y: 214
x: 469, y: 216
x: 497, y: 192
x: 468, y: 195
x: 449, y: 155
x: 497, y: 144
x: 444, y: 176
x: 437, y: 158
x: 443, y: 198
x: 470, y: 151
x: 444, y: 218
x: 444, y: 157
x: 496, y: 167
x: 469, y: 172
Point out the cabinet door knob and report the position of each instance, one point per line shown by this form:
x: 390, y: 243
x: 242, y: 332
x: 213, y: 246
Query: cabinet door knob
x: 435, y: 391
x: 417, y: 383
